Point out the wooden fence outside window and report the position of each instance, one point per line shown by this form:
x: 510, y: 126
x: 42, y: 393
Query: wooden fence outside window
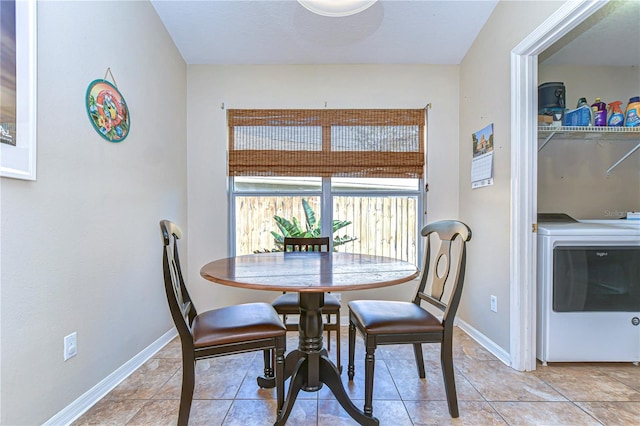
x: 383, y: 225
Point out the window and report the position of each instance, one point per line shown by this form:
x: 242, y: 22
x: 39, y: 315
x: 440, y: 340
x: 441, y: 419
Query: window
x: 354, y: 175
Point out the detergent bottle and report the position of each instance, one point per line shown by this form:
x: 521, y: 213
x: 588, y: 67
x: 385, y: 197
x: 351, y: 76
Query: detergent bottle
x: 632, y: 114
x: 599, y: 110
x: 581, y: 116
x: 583, y: 108
x: 616, y: 117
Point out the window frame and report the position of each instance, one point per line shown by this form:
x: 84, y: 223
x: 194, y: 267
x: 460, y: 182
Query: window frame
x: 266, y: 160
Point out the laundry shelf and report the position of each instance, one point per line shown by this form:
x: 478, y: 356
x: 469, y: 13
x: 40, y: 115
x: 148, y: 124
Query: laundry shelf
x: 592, y: 133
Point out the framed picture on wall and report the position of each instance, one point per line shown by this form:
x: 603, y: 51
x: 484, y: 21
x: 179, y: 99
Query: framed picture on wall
x: 18, y: 89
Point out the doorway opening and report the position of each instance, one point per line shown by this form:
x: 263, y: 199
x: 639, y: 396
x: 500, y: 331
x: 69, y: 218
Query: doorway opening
x: 524, y: 166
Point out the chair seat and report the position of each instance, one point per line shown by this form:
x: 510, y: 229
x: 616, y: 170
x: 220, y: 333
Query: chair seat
x: 388, y: 317
x: 232, y: 324
x: 288, y: 304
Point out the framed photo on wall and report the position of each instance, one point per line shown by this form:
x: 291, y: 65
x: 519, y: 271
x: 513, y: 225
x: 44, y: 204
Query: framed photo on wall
x: 18, y: 89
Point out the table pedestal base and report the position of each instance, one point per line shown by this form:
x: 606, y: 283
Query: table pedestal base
x: 327, y: 373
x: 310, y: 367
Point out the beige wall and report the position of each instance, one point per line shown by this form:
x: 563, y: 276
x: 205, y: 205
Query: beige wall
x: 80, y: 246
x: 348, y: 86
x: 81, y: 249
x: 485, y: 99
x: 572, y: 173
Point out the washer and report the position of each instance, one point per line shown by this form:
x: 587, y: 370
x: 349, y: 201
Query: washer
x: 588, y: 290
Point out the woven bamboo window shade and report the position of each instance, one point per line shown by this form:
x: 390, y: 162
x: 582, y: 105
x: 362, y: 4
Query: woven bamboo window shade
x: 355, y: 143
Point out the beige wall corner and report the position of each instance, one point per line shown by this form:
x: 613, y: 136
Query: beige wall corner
x: 485, y: 99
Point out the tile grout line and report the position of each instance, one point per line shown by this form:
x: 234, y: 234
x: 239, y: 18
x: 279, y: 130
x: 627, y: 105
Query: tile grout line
x: 573, y: 402
x: 490, y: 403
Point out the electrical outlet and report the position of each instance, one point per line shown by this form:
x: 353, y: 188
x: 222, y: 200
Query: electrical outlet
x: 494, y: 303
x: 70, y: 345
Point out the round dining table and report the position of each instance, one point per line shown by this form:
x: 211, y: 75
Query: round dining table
x: 311, y: 274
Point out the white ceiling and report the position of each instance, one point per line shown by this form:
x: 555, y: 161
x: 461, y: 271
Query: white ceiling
x: 389, y: 32
x: 283, y: 32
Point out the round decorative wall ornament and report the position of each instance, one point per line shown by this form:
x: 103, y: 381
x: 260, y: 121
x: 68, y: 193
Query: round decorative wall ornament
x: 107, y: 110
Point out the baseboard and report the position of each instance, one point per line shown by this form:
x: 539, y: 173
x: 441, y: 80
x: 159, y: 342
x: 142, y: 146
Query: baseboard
x: 78, y: 407
x: 485, y: 342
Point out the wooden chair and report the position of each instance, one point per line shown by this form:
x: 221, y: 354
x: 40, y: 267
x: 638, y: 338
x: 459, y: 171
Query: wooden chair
x: 224, y: 331
x: 295, y: 244
x: 288, y: 304
x: 391, y: 323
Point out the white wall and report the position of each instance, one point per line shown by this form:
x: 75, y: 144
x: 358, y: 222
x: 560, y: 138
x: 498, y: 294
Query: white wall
x: 485, y: 99
x: 572, y: 173
x: 81, y: 247
x: 348, y: 86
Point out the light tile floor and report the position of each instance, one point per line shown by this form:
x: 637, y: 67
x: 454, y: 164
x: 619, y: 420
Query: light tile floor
x: 489, y: 392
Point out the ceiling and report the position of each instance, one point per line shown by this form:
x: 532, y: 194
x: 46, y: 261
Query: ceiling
x: 610, y: 37
x: 284, y: 32
x: 389, y: 32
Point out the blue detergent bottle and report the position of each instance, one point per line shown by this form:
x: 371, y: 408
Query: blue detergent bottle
x: 585, y: 113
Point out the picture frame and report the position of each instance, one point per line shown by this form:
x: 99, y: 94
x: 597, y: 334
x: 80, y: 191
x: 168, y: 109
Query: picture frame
x: 18, y: 158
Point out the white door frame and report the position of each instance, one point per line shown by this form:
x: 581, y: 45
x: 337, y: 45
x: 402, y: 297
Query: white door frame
x: 524, y: 174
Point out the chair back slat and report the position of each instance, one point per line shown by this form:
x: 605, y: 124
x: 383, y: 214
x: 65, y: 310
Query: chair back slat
x: 441, y: 281
x: 441, y: 269
x: 293, y: 244
x: 182, y: 309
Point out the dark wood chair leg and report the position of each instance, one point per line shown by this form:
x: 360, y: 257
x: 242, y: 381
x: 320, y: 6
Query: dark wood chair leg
x: 279, y: 364
x: 338, y: 362
x: 352, y: 350
x: 369, y: 368
x: 328, y: 333
x: 268, y: 363
x: 188, y: 383
x: 330, y: 376
x: 446, y: 361
x: 417, y: 351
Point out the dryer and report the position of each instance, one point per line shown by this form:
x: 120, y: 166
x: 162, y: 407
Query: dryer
x: 588, y: 291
